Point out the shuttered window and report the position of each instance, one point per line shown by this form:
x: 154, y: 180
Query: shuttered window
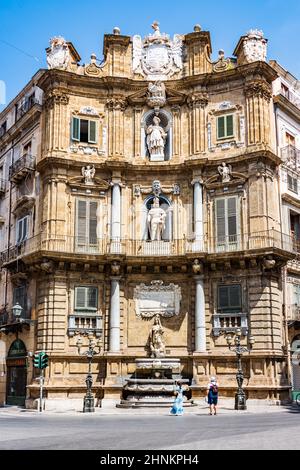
x: 226, y: 220
x: 225, y: 127
x: 86, y: 223
x: 293, y: 183
x: 22, y: 229
x: 86, y: 298
x: 84, y: 130
x: 230, y: 299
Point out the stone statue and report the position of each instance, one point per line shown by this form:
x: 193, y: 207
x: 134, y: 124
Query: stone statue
x: 156, y: 94
x: 156, y: 139
x: 225, y: 172
x: 156, y: 221
x: 88, y: 172
x: 58, y: 54
x: 157, y: 346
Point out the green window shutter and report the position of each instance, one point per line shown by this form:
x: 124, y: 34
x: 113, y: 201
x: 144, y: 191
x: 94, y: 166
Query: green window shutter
x: 93, y: 223
x: 223, y: 298
x: 92, y: 132
x: 229, y: 126
x: 235, y: 300
x: 221, y: 127
x: 81, y: 222
x: 75, y: 129
x: 232, y: 218
x: 80, y: 298
x: 220, y: 220
x: 92, y: 301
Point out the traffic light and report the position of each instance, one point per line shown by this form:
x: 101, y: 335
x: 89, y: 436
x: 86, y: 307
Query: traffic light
x: 44, y: 359
x: 40, y: 360
x: 37, y: 361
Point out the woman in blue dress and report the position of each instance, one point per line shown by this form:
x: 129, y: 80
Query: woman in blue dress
x: 177, y: 408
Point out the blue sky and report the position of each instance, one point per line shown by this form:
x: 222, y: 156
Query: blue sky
x: 28, y: 24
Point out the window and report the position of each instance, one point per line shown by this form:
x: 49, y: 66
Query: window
x: 227, y: 223
x: 3, y: 128
x: 230, y: 299
x: 84, y: 130
x: 284, y: 90
x: 293, y: 184
x: 86, y: 224
x: 20, y: 297
x: 289, y: 139
x: 225, y: 127
x: 27, y: 149
x: 86, y: 299
x: 22, y: 229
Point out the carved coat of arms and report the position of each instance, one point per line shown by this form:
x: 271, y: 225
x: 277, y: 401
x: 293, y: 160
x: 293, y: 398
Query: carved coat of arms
x: 58, y: 54
x: 157, y: 57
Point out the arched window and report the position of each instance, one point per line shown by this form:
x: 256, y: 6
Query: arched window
x: 164, y: 204
x: 17, y: 349
x: 166, y: 123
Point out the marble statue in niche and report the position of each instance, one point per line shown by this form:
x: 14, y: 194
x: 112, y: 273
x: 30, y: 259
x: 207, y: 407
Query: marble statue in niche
x: 156, y: 221
x: 156, y: 139
x: 157, y: 345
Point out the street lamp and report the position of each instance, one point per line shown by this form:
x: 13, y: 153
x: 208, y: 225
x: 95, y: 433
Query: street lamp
x: 234, y: 344
x: 17, y: 311
x: 89, y: 401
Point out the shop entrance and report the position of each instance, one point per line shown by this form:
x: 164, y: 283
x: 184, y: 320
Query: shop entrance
x: 16, y: 363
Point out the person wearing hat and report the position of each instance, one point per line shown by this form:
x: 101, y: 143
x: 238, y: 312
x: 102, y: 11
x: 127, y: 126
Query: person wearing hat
x: 213, y: 395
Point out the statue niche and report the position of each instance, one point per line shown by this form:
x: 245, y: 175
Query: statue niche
x: 157, y: 129
x: 157, y: 345
x: 158, y: 219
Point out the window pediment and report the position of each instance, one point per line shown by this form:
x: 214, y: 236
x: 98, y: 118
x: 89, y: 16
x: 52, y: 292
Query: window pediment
x: 23, y: 205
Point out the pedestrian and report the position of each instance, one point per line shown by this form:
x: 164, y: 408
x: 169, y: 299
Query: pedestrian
x: 177, y: 408
x: 213, y: 395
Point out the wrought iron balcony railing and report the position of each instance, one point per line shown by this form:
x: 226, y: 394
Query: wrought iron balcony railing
x: 21, y: 167
x: 81, y: 246
x: 291, y: 157
x: 26, y: 106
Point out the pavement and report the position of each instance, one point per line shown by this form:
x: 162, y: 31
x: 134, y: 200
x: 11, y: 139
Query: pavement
x: 272, y: 428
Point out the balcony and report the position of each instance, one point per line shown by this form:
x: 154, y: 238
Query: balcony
x: 26, y: 106
x: 291, y: 157
x: 84, y: 323
x: 292, y: 97
x: 21, y: 168
x: 3, y: 184
x: 293, y: 313
x: 229, y: 322
x: 81, y: 247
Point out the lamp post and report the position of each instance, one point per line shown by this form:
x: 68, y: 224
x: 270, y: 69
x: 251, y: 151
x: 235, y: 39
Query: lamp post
x: 234, y: 344
x: 17, y: 311
x: 89, y: 401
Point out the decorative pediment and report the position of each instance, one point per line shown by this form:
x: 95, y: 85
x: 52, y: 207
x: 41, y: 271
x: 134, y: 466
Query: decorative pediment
x: 215, y: 181
x: 78, y: 182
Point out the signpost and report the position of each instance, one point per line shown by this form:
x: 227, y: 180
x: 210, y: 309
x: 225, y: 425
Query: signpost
x: 40, y: 361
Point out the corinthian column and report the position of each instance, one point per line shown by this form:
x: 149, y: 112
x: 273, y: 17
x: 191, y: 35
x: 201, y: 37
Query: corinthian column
x: 116, y: 107
x: 197, y: 123
x: 200, y: 330
x: 114, y: 319
x: 198, y: 214
x: 258, y: 96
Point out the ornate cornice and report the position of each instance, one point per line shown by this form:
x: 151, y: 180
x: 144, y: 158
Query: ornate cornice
x: 117, y: 103
x: 258, y: 88
x: 198, y: 99
x: 56, y: 97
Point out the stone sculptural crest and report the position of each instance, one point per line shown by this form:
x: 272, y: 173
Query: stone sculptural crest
x: 255, y: 46
x: 157, y: 57
x: 58, y: 54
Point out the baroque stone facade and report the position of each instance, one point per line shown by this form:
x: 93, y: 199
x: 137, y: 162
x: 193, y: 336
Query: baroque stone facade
x: 110, y: 227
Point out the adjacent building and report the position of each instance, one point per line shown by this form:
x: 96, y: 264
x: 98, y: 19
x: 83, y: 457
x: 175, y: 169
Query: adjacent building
x: 151, y: 184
